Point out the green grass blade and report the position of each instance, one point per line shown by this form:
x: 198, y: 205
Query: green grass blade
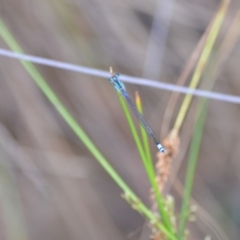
x: 147, y: 150
x: 145, y: 138
x: 199, y: 125
x: 133, y: 129
x: 51, y: 96
x: 192, y: 163
x: 148, y: 164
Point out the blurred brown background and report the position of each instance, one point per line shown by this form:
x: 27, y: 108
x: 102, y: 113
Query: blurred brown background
x: 51, y: 186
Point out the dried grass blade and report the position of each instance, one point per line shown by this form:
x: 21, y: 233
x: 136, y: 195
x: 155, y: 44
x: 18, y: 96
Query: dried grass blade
x: 202, y: 63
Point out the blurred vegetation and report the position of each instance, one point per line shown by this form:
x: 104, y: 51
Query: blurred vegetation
x: 54, y: 186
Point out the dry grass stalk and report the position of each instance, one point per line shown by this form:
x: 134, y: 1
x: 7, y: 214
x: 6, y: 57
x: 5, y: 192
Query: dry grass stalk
x: 163, y: 167
x: 171, y: 144
x: 156, y: 235
x: 183, y: 78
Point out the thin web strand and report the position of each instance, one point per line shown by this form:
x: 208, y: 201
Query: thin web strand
x: 124, y: 78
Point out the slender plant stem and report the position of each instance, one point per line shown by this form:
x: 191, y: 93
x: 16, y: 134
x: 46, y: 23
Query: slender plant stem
x: 51, y: 96
x: 148, y: 164
x: 192, y: 163
x: 202, y: 62
x: 143, y: 131
x: 132, y: 128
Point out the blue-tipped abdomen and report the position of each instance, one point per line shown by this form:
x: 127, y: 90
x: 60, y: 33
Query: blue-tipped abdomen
x: 161, y: 148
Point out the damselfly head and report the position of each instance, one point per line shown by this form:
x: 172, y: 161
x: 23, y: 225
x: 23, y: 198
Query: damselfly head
x: 119, y: 86
x: 114, y: 78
